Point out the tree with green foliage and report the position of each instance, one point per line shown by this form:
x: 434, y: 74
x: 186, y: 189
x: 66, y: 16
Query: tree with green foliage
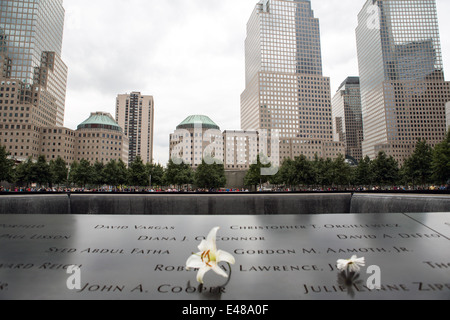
x: 98, y: 174
x: 82, y: 173
x: 276, y: 179
x: 385, y: 170
x: 72, y: 169
x: 341, y: 172
x: 6, y: 166
x: 254, y: 176
x: 121, y: 173
x: 210, y: 176
x: 303, y: 172
x: 58, y: 171
x: 363, y: 173
x: 23, y: 173
x: 287, y: 174
x: 115, y: 173
x: 111, y: 173
x: 440, y: 163
x: 41, y: 171
x: 156, y: 173
x: 178, y: 174
x: 417, y: 168
x: 322, y: 171
x: 137, y: 173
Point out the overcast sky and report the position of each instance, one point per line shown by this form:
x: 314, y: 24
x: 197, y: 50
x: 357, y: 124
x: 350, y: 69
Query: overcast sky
x: 188, y: 54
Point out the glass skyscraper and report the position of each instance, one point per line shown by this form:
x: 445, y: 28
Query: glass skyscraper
x: 285, y: 89
x: 347, y: 117
x: 403, y: 90
x: 31, y: 34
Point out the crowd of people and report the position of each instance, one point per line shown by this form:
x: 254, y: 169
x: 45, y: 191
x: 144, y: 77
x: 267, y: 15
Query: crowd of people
x: 442, y: 188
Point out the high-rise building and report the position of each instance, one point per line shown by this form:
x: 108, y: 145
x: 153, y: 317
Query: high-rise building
x: 447, y: 108
x: 31, y: 34
x: 32, y: 75
x: 135, y: 114
x: 347, y: 117
x: 285, y: 89
x: 403, y: 90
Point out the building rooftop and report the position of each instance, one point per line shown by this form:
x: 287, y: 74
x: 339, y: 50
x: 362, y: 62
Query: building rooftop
x: 349, y: 81
x: 199, y: 120
x: 100, y: 120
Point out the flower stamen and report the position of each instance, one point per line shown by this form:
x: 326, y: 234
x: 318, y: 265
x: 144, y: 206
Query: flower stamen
x: 204, y: 255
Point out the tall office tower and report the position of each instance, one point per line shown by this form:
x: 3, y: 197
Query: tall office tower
x: 403, y: 91
x: 347, y: 117
x: 285, y: 89
x: 135, y: 114
x: 31, y: 34
x: 447, y: 112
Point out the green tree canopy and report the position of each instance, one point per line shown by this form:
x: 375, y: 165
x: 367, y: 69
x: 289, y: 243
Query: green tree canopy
x: 341, y: 172
x: 23, y: 173
x: 417, y: 168
x: 253, y: 177
x: 6, y: 166
x: 81, y: 173
x: 287, y: 174
x: 156, y: 172
x: 364, y: 173
x: 58, y: 171
x: 385, y: 170
x: 41, y: 171
x: 441, y: 161
x: 178, y: 174
x: 111, y: 173
x: 98, y: 174
x: 298, y: 171
x: 322, y: 171
x: 210, y: 176
x: 137, y: 173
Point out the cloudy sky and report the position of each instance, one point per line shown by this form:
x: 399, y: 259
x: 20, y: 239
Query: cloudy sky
x: 188, y: 54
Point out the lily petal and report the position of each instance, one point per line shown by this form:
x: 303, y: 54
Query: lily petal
x: 194, y: 261
x: 211, y: 239
x: 342, y: 264
x: 204, y: 246
x: 354, y: 268
x: 223, y: 256
x: 219, y: 271
x: 201, y: 273
x: 360, y: 261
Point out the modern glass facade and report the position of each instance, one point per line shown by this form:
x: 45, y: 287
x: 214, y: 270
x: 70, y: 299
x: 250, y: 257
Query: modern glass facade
x: 347, y: 117
x: 403, y: 90
x: 447, y: 112
x: 285, y: 89
x: 31, y: 34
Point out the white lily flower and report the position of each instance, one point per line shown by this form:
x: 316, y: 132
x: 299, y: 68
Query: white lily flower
x: 209, y: 257
x: 353, y: 264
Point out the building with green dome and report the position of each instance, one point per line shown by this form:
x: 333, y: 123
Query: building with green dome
x: 198, y: 136
x: 198, y: 120
x: 192, y: 136
x: 101, y: 139
x: 98, y: 138
x: 100, y: 120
